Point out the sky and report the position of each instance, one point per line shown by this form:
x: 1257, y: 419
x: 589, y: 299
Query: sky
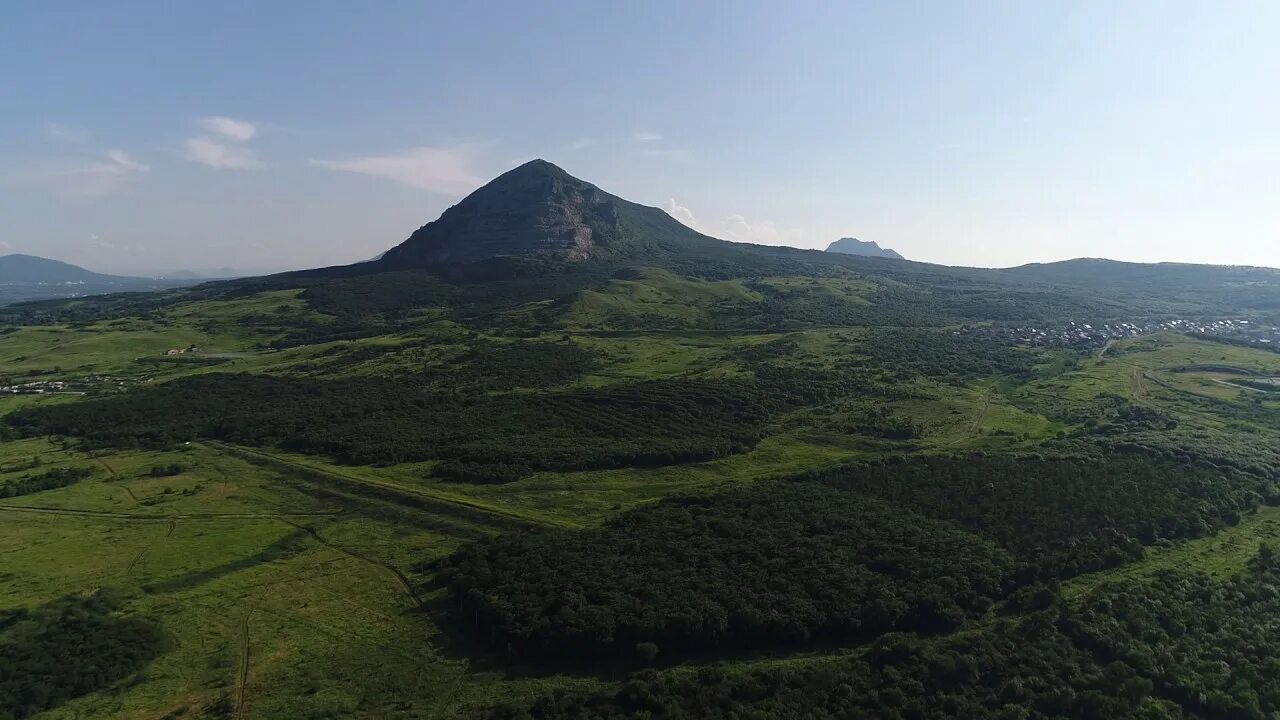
x: 150, y: 137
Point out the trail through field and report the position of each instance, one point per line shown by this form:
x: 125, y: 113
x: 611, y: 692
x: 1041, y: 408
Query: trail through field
x: 242, y: 676
x: 132, y: 497
x: 414, y: 497
x: 395, y: 572
x: 982, y: 412
x: 1230, y: 384
x: 141, y: 558
x: 980, y: 417
x: 115, y: 476
x: 1105, y: 348
x: 162, y: 518
x: 110, y: 470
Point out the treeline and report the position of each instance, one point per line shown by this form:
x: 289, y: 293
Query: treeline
x: 1065, y: 516
x: 1179, y: 646
x: 47, y: 480
x: 379, y: 420
x: 484, y: 366
x: 68, y: 648
x: 905, y: 354
x: 774, y: 565
x: 1208, y: 645
x: 842, y: 555
x: 1008, y: 672
x: 503, y: 366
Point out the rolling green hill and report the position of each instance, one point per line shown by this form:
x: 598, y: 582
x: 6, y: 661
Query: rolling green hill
x: 559, y: 456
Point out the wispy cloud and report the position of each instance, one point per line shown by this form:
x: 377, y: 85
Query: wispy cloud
x: 582, y: 143
x: 66, y: 134
x: 646, y: 136
x: 445, y: 170
x: 121, y: 162
x: 207, y: 151
x: 681, y: 213
x: 225, y: 146
x: 765, y: 232
x: 736, y: 227
x: 105, y: 176
x: 230, y: 128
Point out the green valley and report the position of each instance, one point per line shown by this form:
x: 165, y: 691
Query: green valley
x: 625, y: 470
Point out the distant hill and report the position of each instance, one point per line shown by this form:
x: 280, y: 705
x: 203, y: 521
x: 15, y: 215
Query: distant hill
x: 867, y: 248
x: 19, y: 268
x: 28, y: 277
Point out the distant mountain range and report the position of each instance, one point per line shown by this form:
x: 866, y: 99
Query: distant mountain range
x: 28, y: 277
x: 866, y: 248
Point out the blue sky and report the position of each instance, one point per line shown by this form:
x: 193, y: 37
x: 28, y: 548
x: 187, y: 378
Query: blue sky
x: 154, y: 136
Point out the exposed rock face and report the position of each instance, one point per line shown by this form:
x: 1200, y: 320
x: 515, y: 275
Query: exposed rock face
x: 869, y: 248
x: 536, y: 210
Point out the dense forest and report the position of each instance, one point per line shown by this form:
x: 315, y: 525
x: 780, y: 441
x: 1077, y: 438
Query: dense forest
x: 1066, y: 515
x: 772, y: 565
x: 949, y: 355
x: 68, y: 648
x: 848, y: 555
x: 1179, y: 646
x: 378, y: 420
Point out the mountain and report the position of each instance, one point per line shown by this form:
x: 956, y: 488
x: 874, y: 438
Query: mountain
x: 867, y: 248
x: 538, y: 211
x: 19, y: 268
x: 28, y: 277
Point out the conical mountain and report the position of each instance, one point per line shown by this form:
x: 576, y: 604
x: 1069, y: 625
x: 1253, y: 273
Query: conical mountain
x: 540, y: 211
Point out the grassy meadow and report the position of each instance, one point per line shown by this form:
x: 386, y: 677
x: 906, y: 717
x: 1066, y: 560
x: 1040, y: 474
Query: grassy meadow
x: 289, y: 586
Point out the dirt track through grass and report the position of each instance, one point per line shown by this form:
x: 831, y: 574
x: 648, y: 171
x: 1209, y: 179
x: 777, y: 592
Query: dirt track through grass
x: 161, y: 518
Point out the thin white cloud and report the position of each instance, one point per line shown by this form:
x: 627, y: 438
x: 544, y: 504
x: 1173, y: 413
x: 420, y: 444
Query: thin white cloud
x: 582, y: 143
x: 230, y: 128
x: 737, y: 228
x: 645, y: 136
x: 121, y: 160
x: 765, y: 232
x: 225, y: 146
x: 225, y: 156
x: 445, y: 170
x: 66, y: 134
x: 106, y: 176
x: 681, y: 213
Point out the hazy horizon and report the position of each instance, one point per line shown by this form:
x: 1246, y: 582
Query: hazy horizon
x: 144, y: 138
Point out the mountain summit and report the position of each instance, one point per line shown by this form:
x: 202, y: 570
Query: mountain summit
x: 868, y: 248
x: 539, y: 211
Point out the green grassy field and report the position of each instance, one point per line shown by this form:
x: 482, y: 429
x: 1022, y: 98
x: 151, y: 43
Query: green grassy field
x: 291, y: 587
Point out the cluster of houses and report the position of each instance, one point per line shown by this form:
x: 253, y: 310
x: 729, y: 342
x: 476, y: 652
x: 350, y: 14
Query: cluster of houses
x: 1082, y: 336
x: 181, y: 351
x: 41, y: 387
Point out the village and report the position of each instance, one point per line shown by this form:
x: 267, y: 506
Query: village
x: 1084, y: 336
x: 42, y: 387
